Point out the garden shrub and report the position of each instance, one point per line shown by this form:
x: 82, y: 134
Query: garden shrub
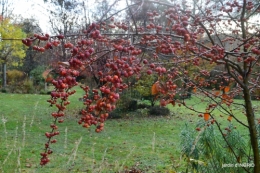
x: 116, y: 114
x: 126, y: 103
x: 36, y: 75
x: 159, y: 111
x: 142, y: 112
x: 15, y: 80
x: 28, y: 86
x: 15, y: 76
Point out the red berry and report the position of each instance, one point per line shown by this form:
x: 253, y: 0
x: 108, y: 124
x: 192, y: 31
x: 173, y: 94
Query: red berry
x: 149, y: 72
x: 145, y: 61
x: 152, y: 65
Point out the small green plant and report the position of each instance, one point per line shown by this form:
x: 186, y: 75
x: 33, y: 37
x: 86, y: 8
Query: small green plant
x: 42, y: 91
x: 205, y: 150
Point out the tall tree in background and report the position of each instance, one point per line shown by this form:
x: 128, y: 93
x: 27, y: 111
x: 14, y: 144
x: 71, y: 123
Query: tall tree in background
x: 31, y: 60
x: 103, y: 9
x: 11, y: 51
x: 64, y: 19
x: 6, y: 8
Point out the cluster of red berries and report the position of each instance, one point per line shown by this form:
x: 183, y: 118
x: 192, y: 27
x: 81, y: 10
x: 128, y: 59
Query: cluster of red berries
x: 102, y: 100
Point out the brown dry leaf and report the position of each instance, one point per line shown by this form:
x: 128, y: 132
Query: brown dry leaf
x: 217, y: 93
x: 28, y: 165
x: 82, y: 68
x: 173, y: 102
x: 229, y: 118
x: 158, y: 49
x: 201, y: 80
x: 64, y: 63
x: 115, y: 58
x: 169, y: 22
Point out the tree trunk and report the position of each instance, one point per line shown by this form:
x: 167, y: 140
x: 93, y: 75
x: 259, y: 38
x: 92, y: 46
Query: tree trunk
x: 45, y: 86
x: 4, y: 75
x: 252, y: 129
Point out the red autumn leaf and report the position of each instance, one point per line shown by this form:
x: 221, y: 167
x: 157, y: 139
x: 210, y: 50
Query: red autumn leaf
x: 155, y: 88
x: 206, y: 116
x: 45, y: 74
x: 224, y: 98
x: 49, y: 79
x: 226, y: 89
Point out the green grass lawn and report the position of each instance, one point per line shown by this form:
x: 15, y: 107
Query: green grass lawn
x: 150, y: 144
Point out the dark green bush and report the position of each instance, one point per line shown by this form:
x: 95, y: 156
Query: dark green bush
x: 115, y: 114
x: 36, y: 75
x: 132, y: 105
x: 143, y: 106
x: 159, y: 111
x: 4, y: 90
x: 126, y: 103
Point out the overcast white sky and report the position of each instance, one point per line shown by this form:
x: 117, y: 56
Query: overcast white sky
x: 31, y: 8
x: 36, y: 9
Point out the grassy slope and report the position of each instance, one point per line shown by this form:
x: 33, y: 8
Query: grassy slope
x: 148, y: 143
